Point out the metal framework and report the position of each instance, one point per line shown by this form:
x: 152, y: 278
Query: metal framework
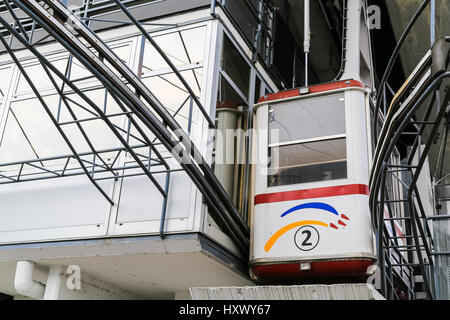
x: 417, y: 110
x: 263, y: 13
x: 138, y: 104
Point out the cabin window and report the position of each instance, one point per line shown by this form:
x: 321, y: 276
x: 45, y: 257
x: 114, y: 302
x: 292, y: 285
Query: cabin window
x: 307, y: 141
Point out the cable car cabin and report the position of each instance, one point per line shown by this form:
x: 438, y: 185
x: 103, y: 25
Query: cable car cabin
x: 311, y: 214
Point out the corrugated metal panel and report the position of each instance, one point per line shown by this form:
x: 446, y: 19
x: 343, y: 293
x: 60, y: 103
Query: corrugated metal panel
x: 352, y: 291
x: 442, y: 230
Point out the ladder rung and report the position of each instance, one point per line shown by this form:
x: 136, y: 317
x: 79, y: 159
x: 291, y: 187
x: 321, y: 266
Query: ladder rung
x: 410, y: 133
x: 423, y: 122
x: 403, y: 246
x: 401, y: 237
x: 397, y: 170
x: 408, y: 264
x: 401, y: 166
x: 439, y: 217
x: 443, y: 253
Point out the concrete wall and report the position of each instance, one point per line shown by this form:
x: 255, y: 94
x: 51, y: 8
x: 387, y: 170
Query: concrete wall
x: 418, y: 42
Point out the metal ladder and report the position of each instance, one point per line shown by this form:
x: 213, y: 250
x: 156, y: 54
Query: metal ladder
x: 421, y: 104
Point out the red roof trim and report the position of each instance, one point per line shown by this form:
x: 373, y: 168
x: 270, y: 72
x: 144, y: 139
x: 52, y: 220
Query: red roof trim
x: 312, y: 89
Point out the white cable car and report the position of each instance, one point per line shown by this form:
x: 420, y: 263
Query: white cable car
x: 311, y: 213
x: 311, y: 151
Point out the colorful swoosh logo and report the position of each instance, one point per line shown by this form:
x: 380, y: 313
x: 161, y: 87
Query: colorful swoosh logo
x: 311, y: 205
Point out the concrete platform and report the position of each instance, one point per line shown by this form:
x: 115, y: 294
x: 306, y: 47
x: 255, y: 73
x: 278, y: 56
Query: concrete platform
x: 303, y: 292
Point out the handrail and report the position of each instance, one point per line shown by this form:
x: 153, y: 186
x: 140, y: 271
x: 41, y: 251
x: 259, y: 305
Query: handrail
x: 377, y: 185
x: 393, y: 59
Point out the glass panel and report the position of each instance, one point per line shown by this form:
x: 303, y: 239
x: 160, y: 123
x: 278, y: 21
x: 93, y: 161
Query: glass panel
x: 173, y: 95
x: 31, y: 134
x: 307, y: 162
x: 14, y: 146
x: 243, y: 16
x: 257, y: 89
x: 184, y: 47
x: 235, y: 66
x: 254, y: 4
x: 228, y: 97
x: 123, y: 52
x: 78, y: 71
x: 315, y: 117
x: 230, y: 146
x: 5, y: 81
x: 194, y: 41
x: 136, y: 139
x: 39, y: 77
x: 98, y: 132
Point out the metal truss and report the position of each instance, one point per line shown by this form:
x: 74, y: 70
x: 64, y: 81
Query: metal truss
x: 137, y: 103
x: 417, y: 111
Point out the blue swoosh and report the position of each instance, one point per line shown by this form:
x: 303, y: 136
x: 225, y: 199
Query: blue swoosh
x: 312, y: 205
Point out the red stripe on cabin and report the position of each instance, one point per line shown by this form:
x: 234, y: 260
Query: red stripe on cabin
x: 291, y: 271
x: 312, y: 193
x: 312, y: 89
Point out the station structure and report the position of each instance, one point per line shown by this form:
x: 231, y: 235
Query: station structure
x: 224, y: 149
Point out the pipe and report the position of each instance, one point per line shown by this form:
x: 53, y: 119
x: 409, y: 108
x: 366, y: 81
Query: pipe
x: 433, y: 22
x: 53, y: 285
x: 24, y: 283
x: 307, y: 38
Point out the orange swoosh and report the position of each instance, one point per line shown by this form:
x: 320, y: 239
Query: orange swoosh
x: 279, y: 233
